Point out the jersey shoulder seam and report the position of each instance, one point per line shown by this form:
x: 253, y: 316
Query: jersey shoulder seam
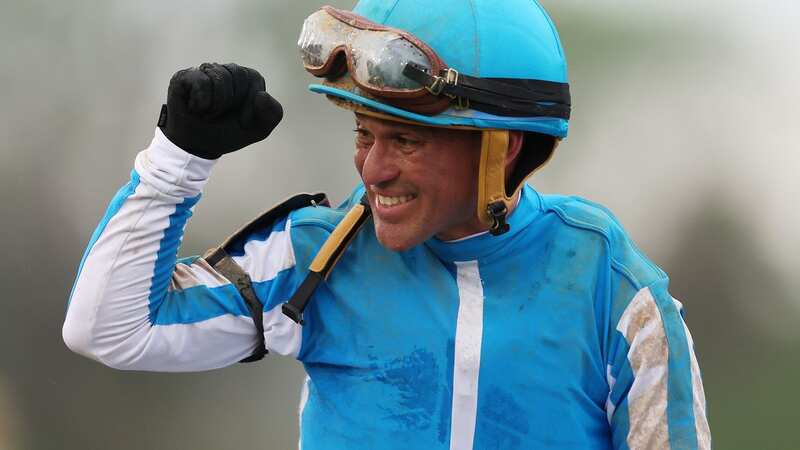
x: 616, y: 264
x: 325, y: 220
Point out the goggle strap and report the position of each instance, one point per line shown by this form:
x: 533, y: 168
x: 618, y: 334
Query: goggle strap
x: 496, y: 94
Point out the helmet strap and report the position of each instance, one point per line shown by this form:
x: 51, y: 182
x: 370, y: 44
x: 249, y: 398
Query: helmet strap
x: 496, y: 195
x: 493, y: 201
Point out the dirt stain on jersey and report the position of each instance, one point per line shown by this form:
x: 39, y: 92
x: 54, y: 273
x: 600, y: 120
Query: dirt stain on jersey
x: 415, y: 379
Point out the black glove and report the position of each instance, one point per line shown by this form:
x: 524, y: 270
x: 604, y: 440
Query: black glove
x: 216, y: 109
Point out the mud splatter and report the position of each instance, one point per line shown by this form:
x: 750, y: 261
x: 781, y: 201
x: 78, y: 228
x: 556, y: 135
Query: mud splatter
x: 503, y: 421
x: 416, y: 380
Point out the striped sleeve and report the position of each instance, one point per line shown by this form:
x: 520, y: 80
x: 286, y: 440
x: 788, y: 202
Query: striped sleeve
x: 135, y: 306
x: 656, y: 398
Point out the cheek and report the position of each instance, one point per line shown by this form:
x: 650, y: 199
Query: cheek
x: 457, y: 177
x: 460, y: 186
x: 359, y: 156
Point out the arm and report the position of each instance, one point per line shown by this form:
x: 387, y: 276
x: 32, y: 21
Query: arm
x: 133, y: 305
x: 656, y: 398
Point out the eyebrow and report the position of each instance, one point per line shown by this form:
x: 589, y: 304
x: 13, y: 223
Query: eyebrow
x: 403, y: 129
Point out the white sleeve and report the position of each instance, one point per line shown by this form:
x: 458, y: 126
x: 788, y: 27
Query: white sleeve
x: 133, y: 306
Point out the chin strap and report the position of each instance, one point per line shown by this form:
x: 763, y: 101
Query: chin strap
x: 493, y: 203
x: 494, y: 199
x: 326, y: 258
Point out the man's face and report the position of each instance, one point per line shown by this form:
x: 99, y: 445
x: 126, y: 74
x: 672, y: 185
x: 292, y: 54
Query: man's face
x: 421, y: 181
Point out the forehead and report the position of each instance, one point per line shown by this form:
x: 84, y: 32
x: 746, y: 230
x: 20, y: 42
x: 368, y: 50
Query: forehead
x: 379, y: 124
x: 455, y: 136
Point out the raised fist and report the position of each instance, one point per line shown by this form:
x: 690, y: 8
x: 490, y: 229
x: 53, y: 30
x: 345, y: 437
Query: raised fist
x: 216, y: 109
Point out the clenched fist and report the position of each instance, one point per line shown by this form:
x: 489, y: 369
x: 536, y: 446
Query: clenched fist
x: 216, y: 109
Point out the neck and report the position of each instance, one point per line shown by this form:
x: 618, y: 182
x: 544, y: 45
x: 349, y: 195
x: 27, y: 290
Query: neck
x: 478, y: 227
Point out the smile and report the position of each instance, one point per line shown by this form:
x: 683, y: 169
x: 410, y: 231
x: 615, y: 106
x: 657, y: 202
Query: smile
x: 393, y: 201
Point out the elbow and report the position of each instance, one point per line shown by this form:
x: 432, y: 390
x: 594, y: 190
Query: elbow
x: 122, y: 350
x: 78, y: 337
x: 86, y: 334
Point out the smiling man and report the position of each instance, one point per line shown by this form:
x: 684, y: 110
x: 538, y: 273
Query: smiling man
x: 445, y: 304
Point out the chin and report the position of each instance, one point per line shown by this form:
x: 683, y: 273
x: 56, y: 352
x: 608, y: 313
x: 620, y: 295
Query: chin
x: 395, y: 245
x: 397, y: 240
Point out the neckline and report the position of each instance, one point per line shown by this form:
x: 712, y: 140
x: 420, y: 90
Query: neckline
x: 484, y: 245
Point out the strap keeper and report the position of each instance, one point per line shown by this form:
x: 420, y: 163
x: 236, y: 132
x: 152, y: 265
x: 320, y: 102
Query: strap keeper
x: 292, y: 312
x: 439, y: 82
x: 221, y: 261
x: 497, y: 213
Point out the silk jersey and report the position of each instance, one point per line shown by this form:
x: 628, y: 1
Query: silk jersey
x: 558, y: 334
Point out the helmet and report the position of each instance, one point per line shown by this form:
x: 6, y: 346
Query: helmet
x: 512, y: 42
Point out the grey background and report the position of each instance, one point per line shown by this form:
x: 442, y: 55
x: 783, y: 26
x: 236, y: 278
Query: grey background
x: 685, y: 125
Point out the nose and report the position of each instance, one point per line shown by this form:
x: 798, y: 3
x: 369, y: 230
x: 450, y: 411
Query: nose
x: 378, y: 164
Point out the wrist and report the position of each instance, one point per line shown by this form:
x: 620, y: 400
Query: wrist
x: 172, y: 170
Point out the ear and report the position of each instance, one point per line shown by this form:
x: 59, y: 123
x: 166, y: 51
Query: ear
x: 515, y: 139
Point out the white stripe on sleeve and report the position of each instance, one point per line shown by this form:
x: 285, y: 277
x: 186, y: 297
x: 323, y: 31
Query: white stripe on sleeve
x: 263, y: 260
x: 648, y: 356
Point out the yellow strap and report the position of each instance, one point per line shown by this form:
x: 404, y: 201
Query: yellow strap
x: 340, y: 237
x: 492, y: 171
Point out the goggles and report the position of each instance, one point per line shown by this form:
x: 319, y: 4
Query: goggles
x: 403, y: 71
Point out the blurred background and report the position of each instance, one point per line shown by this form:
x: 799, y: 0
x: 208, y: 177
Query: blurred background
x: 684, y: 124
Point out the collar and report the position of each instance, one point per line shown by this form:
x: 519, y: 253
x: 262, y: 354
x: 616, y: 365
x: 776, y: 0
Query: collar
x: 483, y: 245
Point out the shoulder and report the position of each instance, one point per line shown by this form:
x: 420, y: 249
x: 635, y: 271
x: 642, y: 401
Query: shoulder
x: 590, y: 223
x: 320, y: 217
x: 299, y: 224
x: 298, y: 215
x: 323, y: 216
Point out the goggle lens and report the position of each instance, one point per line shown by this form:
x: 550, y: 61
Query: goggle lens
x: 379, y: 59
x: 376, y: 58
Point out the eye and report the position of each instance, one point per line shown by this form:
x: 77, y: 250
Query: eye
x: 363, y: 137
x: 407, y: 143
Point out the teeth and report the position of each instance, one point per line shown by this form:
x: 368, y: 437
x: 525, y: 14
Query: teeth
x: 391, y: 201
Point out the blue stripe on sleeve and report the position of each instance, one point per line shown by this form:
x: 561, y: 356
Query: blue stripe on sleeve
x: 199, y: 303
x: 621, y: 426
x: 277, y: 290
x: 113, y: 208
x: 167, y: 253
x: 623, y: 374
x: 680, y: 411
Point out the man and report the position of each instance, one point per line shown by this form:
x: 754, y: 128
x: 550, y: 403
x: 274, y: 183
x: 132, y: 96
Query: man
x: 445, y: 304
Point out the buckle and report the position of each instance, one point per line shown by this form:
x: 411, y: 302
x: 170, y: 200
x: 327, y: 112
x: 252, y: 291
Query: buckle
x: 293, y: 313
x: 437, y: 86
x: 497, y: 212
